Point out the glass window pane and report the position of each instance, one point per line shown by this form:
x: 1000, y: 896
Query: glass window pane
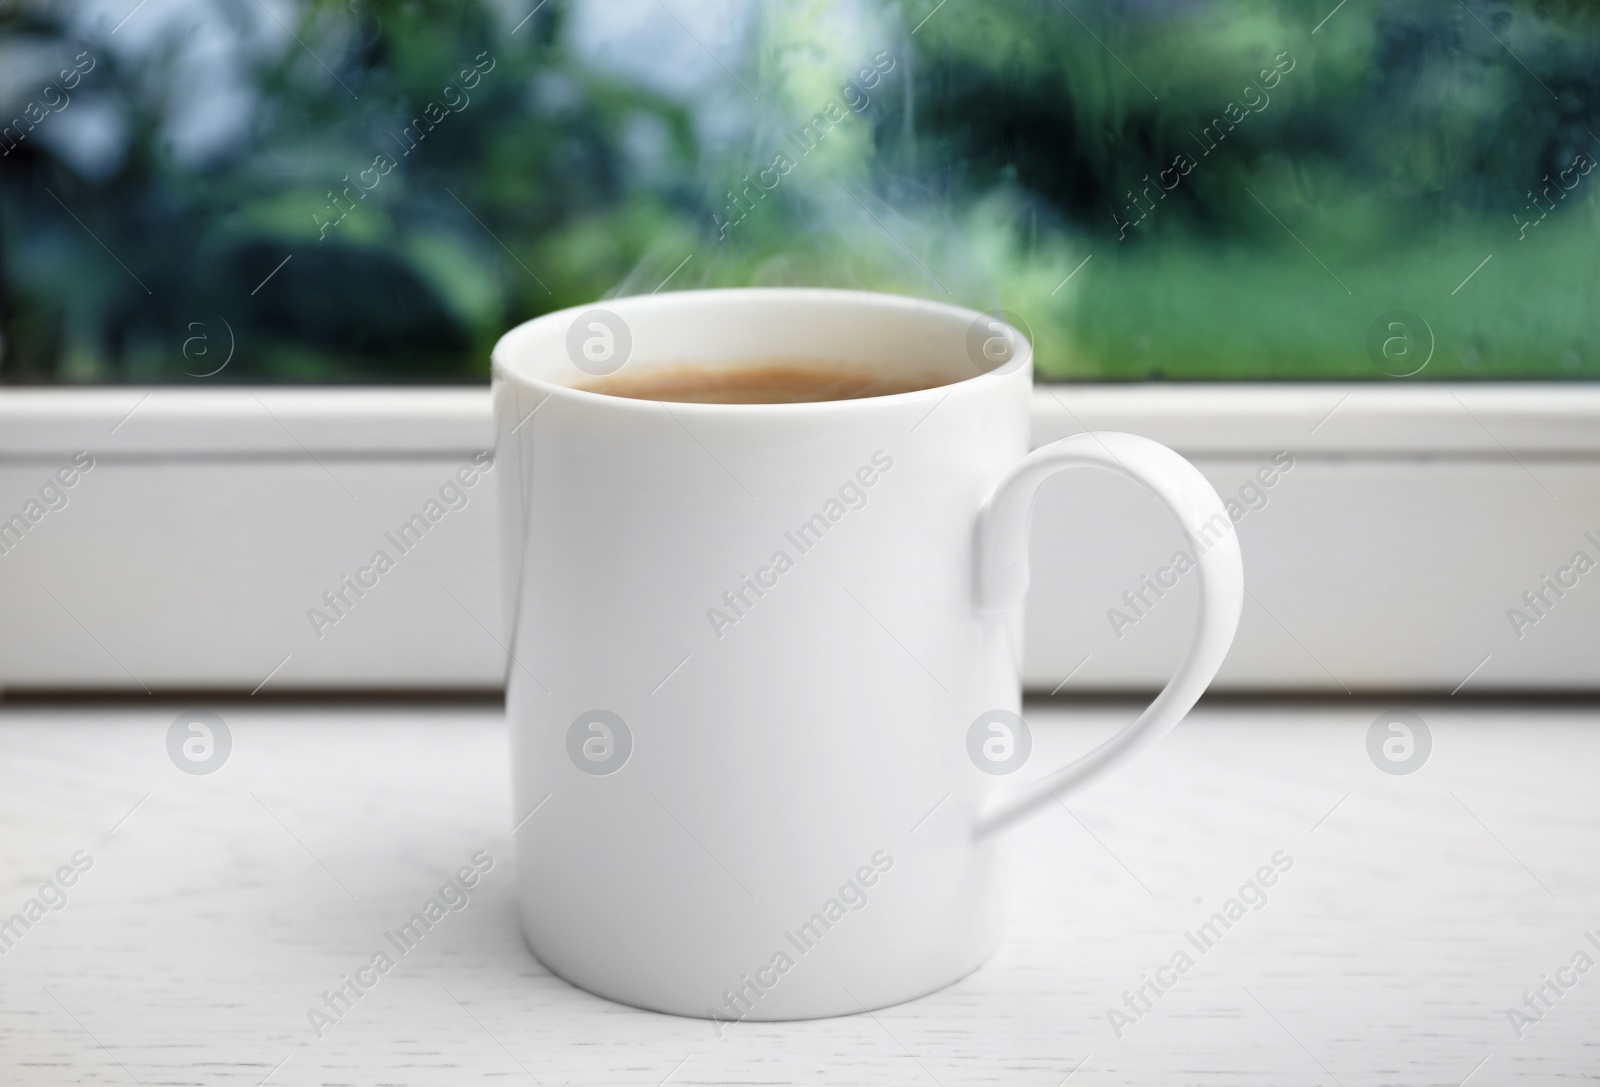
x: 349, y: 191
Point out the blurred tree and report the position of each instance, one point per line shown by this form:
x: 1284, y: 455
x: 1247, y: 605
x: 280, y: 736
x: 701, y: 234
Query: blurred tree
x: 1259, y: 182
x: 408, y: 161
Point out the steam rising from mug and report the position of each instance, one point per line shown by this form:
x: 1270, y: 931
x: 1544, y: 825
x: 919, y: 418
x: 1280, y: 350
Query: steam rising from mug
x: 823, y: 188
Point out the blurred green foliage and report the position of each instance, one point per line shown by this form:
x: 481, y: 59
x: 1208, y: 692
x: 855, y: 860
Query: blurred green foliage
x: 1216, y: 190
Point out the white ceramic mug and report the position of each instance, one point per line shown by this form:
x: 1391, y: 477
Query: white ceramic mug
x: 752, y: 644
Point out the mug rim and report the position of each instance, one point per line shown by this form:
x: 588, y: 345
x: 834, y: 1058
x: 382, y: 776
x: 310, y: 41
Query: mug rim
x: 499, y: 368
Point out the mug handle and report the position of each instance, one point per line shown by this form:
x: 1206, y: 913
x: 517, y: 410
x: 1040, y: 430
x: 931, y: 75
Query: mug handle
x: 1002, y: 579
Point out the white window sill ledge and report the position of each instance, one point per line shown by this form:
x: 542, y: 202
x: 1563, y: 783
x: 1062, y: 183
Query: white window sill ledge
x: 201, y: 933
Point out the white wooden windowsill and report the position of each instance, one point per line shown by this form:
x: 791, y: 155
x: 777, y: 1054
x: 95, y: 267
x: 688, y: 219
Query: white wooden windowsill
x: 1417, y: 910
x: 1414, y: 519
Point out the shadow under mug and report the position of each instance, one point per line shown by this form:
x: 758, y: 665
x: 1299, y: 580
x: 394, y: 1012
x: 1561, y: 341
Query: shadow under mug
x: 763, y: 658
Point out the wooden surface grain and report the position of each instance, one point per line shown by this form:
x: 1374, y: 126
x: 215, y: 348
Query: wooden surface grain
x: 218, y: 908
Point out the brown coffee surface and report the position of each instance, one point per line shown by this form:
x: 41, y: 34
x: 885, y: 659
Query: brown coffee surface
x: 776, y: 381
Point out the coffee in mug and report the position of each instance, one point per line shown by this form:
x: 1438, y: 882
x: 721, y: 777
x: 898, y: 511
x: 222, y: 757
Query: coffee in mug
x: 769, y: 381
